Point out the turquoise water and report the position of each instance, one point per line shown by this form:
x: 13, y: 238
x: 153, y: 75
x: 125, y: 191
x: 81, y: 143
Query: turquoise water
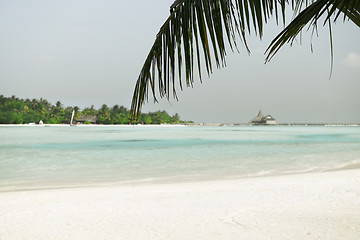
x: 63, y: 156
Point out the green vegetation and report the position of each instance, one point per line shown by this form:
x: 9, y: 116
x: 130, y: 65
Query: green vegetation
x: 19, y: 111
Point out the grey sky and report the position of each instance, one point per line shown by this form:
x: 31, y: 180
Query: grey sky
x: 87, y: 52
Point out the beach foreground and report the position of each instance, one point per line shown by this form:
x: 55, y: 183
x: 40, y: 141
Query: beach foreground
x: 305, y: 206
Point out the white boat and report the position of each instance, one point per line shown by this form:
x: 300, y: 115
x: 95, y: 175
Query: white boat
x: 71, y: 120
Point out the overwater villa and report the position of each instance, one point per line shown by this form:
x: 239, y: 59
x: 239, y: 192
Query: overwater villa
x: 260, y: 119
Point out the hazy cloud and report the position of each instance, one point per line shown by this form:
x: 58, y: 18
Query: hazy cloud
x: 352, y: 60
x: 259, y: 51
x: 48, y: 58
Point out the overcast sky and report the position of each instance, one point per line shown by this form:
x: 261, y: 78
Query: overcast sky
x: 85, y: 52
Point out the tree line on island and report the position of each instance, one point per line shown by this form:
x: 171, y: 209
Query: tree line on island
x: 23, y: 111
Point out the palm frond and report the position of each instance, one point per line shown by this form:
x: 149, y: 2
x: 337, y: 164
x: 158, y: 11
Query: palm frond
x: 191, y: 26
x: 198, y: 31
x: 310, y: 16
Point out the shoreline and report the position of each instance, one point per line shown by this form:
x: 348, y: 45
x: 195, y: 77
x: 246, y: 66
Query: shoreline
x: 162, y: 182
x: 94, y: 125
x: 192, y: 124
x: 321, y: 205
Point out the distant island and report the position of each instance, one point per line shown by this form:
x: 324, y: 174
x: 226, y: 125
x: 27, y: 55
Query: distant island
x: 24, y: 111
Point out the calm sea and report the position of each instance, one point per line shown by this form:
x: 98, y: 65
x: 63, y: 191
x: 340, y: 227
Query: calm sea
x: 54, y: 157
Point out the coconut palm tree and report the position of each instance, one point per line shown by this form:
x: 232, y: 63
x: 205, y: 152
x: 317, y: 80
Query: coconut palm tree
x: 197, y: 32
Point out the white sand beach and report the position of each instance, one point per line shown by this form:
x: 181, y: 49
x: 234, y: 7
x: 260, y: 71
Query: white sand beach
x: 306, y: 206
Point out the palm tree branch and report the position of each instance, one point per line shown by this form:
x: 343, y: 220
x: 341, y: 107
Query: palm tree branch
x: 205, y: 22
x: 310, y: 15
x: 189, y: 21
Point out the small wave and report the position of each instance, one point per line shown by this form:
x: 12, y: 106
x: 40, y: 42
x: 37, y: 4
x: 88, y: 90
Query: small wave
x: 346, y: 166
x: 307, y: 170
x: 263, y: 173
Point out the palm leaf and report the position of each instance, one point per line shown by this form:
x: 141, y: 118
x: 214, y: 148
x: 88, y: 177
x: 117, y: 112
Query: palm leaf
x: 210, y: 25
x: 311, y: 15
x: 196, y: 24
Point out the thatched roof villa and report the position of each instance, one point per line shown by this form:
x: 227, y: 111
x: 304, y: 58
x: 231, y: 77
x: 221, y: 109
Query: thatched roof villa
x: 260, y: 119
x: 90, y: 119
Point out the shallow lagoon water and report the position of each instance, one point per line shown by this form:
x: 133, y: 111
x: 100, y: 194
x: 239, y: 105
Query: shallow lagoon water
x: 63, y: 156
